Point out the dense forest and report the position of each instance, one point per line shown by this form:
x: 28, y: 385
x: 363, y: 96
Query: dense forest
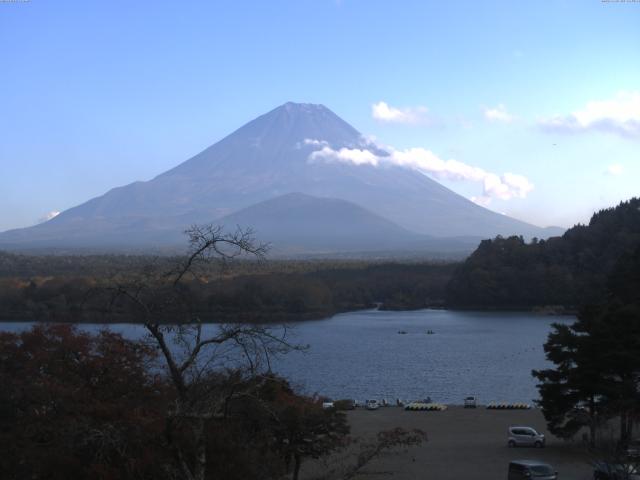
x: 62, y: 288
x: 561, y: 272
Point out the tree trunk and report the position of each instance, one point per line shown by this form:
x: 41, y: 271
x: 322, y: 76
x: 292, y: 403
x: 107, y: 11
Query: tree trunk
x: 592, y: 434
x: 593, y: 422
x: 296, y: 468
x: 197, y: 469
x: 200, y: 467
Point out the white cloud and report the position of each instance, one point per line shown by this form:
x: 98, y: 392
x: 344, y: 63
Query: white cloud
x: 481, y: 200
x: 620, y: 115
x: 614, y: 169
x: 48, y: 216
x: 504, y: 187
x: 428, y: 162
x: 498, y: 114
x: 313, y: 141
x: 386, y: 113
x: 347, y: 155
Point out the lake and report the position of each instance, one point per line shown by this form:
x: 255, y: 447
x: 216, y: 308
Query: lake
x: 361, y: 354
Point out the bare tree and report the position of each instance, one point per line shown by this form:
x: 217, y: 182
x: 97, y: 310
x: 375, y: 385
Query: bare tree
x: 385, y: 441
x: 193, y: 352
x: 351, y: 463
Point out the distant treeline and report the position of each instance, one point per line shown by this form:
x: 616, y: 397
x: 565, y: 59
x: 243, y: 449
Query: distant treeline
x: 108, y: 265
x: 566, y: 271
x: 71, y: 288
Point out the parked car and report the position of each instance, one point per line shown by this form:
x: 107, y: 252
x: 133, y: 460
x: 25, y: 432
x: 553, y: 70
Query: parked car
x: 522, y: 436
x: 531, y: 469
x: 470, y: 402
x: 372, y: 405
x: 345, y: 404
x: 633, y: 448
x: 615, y: 471
x: 327, y: 405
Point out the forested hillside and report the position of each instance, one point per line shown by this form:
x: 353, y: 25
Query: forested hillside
x: 562, y: 271
x: 245, y: 291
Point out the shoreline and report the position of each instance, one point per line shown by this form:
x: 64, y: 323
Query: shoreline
x: 287, y: 318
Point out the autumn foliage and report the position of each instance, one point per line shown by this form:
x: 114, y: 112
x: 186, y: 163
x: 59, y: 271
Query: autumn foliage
x: 75, y: 405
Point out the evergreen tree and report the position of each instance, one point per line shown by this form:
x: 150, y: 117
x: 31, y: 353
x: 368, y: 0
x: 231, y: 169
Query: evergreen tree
x: 571, y: 393
x: 596, y: 374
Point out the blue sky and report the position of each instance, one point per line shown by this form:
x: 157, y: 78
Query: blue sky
x: 99, y: 94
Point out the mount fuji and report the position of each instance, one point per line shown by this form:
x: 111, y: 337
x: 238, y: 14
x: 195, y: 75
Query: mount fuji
x: 265, y: 174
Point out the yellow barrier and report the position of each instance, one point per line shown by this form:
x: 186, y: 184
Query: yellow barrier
x: 427, y: 407
x: 508, y: 406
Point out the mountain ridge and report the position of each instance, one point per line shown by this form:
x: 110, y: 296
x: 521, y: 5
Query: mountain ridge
x: 296, y: 223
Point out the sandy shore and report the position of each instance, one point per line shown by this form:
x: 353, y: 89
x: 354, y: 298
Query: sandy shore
x: 463, y: 443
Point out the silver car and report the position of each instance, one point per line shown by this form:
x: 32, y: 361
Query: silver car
x: 522, y: 436
x: 372, y: 404
x: 531, y: 469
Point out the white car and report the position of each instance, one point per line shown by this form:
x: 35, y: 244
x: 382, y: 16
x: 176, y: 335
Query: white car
x: 372, y: 404
x: 327, y: 405
x: 522, y: 436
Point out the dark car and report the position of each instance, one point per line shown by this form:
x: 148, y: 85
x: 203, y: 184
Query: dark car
x: 531, y: 469
x: 615, y: 471
x: 470, y: 402
x: 344, y: 404
x: 633, y: 449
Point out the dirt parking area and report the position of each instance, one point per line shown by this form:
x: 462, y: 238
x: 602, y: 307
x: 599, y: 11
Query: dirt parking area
x: 463, y: 444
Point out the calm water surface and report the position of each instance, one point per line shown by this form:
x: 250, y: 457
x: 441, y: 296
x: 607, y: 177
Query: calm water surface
x: 361, y: 354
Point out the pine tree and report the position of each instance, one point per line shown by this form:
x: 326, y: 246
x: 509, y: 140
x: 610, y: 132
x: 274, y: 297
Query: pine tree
x: 597, y: 374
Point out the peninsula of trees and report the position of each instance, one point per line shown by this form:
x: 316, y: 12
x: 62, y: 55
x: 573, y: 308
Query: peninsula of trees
x: 563, y: 272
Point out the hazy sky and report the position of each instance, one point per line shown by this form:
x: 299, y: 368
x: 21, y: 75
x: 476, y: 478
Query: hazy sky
x: 99, y: 94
